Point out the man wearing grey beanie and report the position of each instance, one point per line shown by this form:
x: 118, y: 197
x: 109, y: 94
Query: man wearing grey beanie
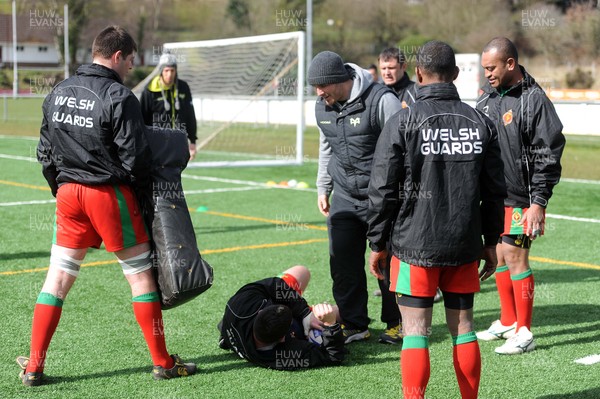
x: 351, y: 111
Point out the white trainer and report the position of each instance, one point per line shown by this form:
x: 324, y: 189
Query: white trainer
x: 521, y: 342
x: 497, y: 331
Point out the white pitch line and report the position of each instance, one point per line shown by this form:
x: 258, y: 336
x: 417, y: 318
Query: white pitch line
x: 221, y: 180
x: 221, y: 190
x: 18, y: 158
x: 191, y: 192
x: 245, y: 182
x: 573, y: 218
x: 27, y: 203
x: 207, y: 178
x: 588, y: 360
x: 231, y: 189
x: 5, y: 136
x: 584, y: 181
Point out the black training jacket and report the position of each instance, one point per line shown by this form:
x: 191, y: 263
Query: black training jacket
x: 352, y: 133
x: 292, y: 354
x: 438, y: 180
x: 405, y: 90
x: 530, y: 137
x: 93, y: 132
x: 155, y: 113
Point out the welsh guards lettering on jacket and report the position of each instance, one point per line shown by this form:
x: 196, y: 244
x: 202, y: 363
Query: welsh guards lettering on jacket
x: 462, y: 141
x: 75, y: 104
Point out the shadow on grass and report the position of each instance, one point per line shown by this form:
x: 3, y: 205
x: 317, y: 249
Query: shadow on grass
x: 234, y: 362
x: 371, y: 352
x: 206, y: 365
x: 283, y: 227
x: 593, y: 393
x: 572, y: 275
x: 26, y: 255
x: 566, y: 319
x: 545, y: 277
x: 485, y: 287
x: 563, y: 315
x: 374, y: 352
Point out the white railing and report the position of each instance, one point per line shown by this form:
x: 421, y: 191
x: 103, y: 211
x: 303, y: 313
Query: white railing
x: 577, y: 117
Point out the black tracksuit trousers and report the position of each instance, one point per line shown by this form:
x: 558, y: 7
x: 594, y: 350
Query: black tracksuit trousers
x: 347, y: 229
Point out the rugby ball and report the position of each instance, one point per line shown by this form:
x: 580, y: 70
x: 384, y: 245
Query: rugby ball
x: 315, y: 336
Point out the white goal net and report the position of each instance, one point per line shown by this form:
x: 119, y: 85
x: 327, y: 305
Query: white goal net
x: 248, y: 95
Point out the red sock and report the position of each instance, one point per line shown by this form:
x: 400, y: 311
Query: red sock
x: 508, y: 312
x: 415, y: 366
x: 523, y: 287
x: 46, y: 316
x: 149, y: 316
x: 467, y: 364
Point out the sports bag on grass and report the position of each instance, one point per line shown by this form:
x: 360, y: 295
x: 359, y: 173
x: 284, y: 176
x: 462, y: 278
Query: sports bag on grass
x: 181, y: 272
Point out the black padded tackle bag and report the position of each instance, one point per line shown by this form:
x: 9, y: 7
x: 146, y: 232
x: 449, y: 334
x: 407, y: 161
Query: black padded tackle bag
x: 181, y: 272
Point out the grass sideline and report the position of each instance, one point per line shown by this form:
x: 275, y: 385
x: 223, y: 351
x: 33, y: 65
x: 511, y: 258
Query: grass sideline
x: 98, y: 349
x: 24, y: 117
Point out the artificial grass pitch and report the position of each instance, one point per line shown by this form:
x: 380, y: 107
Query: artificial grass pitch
x: 98, y: 349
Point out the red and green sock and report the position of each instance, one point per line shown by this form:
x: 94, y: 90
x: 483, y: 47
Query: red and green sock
x: 46, y: 316
x: 523, y: 287
x: 508, y: 312
x: 415, y: 366
x: 148, y: 314
x: 467, y: 364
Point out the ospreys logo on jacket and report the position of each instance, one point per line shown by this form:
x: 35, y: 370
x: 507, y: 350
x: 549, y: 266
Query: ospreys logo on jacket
x: 352, y: 131
x: 530, y: 137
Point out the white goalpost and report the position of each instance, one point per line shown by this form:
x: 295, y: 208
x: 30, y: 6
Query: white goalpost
x: 248, y: 95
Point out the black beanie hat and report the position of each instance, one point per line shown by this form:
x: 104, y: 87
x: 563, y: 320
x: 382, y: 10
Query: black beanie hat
x: 327, y: 68
x: 272, y: 323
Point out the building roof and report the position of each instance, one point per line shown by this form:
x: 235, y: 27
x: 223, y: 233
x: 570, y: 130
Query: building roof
x: 30, y: 29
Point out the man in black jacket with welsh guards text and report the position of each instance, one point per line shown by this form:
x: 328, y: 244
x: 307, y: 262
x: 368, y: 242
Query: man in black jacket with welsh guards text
x: 436, y: 192
x: 93, y: 153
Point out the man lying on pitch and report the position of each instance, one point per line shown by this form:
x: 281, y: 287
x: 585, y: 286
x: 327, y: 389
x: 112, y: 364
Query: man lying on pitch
x: 268, y: 323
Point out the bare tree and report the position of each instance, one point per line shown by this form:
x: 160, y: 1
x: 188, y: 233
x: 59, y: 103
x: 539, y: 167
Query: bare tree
x: 239, y: 12
x: 467, y: 28
x: 78, y: 19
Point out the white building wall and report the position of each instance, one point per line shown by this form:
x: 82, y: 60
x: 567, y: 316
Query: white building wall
x: 32, y: 53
